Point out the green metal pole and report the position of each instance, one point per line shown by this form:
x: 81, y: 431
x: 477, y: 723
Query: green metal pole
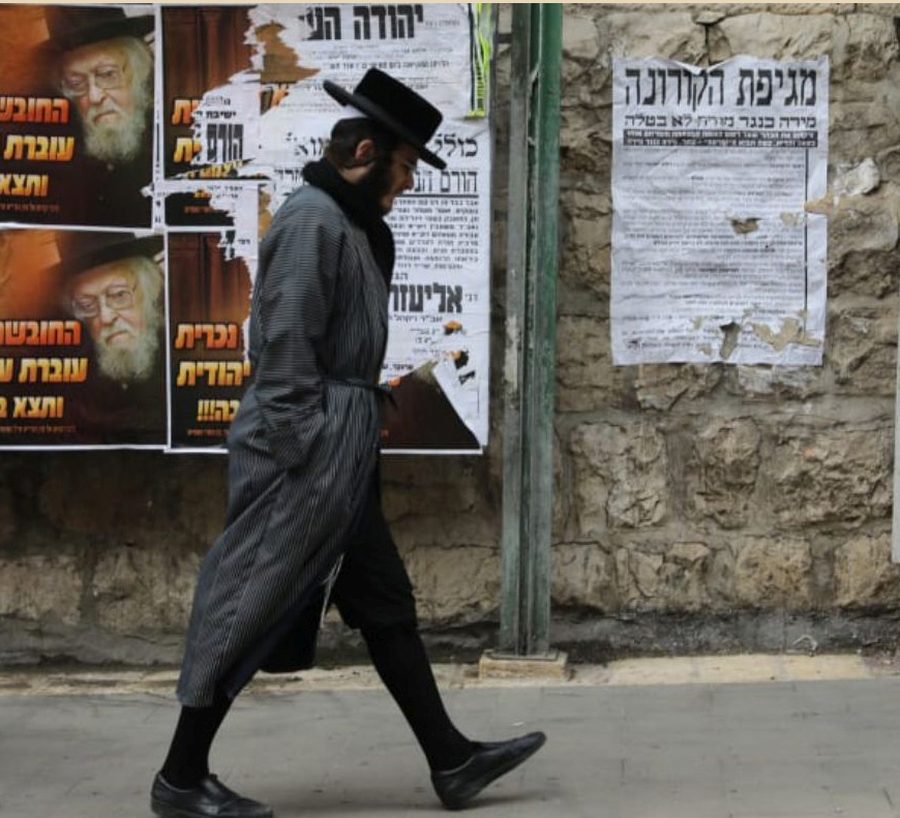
x: 529, y: 371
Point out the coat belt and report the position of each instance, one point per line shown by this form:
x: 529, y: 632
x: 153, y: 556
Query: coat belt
x: 382, y: 390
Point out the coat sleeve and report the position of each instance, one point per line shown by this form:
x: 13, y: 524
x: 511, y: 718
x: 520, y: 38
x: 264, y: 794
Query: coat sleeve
x: 299, y: 262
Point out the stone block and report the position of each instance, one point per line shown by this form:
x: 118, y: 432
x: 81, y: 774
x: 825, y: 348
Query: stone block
x: 778, y: 36
x: 864, y: 272
x: 657, y: 33
x: 720, y: 572
x: 201, y: 509
x: 107, y: 495
x: 673, y: 580
x: 864, y: 223
x: 440, y: 529
x: 722, y: 472
x: 454, y: 585
x: 861, y: 350
x: 888, y: 163
x: 620, y: 477
x: 451, y: 505
x: 587, y: 203
x: 684, y: 576
x: 41, y: 588
x: 856, y: 179
x: 773, y: 573
x: 585, y: 257
x: 661, y: 386
x: 639, y: 580
x: 584, y: 577
x: 778, y: 382
x: 864, y: 117
x: 838, y: 474
x: 864, y: 575
x: 865, y: 45
x: 580, y: 39
x: 856, y: 105
x: 585, y: 138
x: 864, y: 243
x: 585, y: 376
x: 138, y: 590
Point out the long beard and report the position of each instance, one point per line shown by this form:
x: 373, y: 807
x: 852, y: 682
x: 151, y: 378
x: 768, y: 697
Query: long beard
x: 134, y: 363
x: 118, y: 142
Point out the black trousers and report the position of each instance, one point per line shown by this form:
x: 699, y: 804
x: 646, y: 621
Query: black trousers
x: 373, y: 590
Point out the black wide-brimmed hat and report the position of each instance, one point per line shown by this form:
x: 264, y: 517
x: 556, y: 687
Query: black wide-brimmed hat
x: 72, y: 27
x: 84, y: 249
x: 396, y: 107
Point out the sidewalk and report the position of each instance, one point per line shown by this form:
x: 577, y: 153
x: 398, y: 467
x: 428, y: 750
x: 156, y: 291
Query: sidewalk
x: 723, y: 737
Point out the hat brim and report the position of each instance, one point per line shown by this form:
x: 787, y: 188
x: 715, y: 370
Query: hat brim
x: 138, y: 26
x: 381, y: 116
x: 146, y: 246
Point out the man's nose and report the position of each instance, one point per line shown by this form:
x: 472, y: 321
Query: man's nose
x: 410, y: 180
x: 95, y: 92
x: 107, y: 314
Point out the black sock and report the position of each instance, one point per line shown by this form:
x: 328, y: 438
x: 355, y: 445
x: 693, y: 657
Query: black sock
x: 188, y: 760
x: 400, y: 659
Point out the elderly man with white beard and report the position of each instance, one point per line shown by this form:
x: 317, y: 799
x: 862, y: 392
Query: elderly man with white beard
x: 115, y: 288
x: 104, y: 67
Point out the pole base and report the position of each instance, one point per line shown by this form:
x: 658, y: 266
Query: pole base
x: 497, y: 665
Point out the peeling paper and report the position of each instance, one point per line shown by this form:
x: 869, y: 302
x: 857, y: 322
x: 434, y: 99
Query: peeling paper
x: 719, y: 194
x: 226, y: 122
x: 791, y: 332
x: 744, y: 226
x: 731, y: 335
x: 276, y: 28
x: 461, y: 388
x: 857, y: 180
x: 241, y: 202
x: 792, y: 219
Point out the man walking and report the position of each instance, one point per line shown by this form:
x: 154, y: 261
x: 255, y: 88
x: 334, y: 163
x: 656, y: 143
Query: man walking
x: 304, y: 512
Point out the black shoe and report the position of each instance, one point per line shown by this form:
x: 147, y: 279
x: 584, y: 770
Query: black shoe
x: 490, y: 760
x: 209, y: 799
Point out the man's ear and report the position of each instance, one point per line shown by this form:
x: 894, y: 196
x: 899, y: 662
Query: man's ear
x: 364, y: 153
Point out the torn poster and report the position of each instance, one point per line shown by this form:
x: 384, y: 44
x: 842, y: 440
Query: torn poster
x: 440, y: 298
x: 715, y: 256
x: 247, y: 108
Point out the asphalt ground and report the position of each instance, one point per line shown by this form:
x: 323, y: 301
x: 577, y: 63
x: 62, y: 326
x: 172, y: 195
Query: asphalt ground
x: 718, y: 737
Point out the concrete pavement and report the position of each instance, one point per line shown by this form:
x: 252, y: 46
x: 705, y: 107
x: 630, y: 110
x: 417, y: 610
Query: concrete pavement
x: 724, y: 737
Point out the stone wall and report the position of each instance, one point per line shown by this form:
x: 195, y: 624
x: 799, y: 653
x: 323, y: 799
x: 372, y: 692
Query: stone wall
x: 697, y: 507
x: 697, y: 500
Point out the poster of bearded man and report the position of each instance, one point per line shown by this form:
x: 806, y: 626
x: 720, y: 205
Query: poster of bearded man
x: 82, y: 351
x: 80, y: 93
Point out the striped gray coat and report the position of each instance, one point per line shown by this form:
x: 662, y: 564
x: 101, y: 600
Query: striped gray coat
x: 303, y: 445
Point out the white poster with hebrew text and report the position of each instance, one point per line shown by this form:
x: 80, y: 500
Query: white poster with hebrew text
x: 716, y: 255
